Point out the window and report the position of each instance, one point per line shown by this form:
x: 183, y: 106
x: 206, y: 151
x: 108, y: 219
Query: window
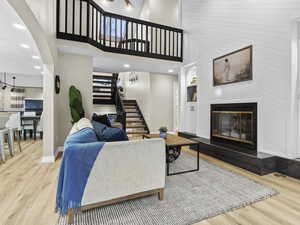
x: 115, y: 28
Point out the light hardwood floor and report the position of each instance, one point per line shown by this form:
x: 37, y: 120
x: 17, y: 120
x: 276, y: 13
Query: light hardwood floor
x: 27, y: 194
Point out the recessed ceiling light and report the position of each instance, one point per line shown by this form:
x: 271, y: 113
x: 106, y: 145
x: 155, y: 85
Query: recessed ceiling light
x: 170, y: 71
x: 37, y: 67
x: 19, y: 26
x: 126, y: 65
x: 24, y: 46
x: 35, y: 57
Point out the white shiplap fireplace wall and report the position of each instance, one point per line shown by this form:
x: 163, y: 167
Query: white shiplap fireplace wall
x: 216, y: 27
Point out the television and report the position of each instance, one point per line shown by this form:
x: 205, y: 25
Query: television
x: 34, y: 105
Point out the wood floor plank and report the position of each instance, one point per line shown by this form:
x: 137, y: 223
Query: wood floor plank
x: 28, y: 187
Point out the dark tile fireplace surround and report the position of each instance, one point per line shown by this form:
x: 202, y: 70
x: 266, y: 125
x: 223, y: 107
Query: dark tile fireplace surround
x: 233, y: 139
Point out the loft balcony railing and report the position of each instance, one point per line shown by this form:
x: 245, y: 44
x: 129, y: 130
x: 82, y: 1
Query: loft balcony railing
x: 86, y: 21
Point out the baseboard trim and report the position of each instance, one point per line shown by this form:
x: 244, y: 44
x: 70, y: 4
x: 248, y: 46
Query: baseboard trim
x: 48, y: 159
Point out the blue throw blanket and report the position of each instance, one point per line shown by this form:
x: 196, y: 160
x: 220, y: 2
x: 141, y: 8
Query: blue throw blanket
x: 80, y: 152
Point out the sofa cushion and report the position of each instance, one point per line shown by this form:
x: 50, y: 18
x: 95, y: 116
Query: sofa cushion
x: 109, y: 134
x: 101, y: 119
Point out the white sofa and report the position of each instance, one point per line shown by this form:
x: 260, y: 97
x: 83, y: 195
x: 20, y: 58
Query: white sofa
x: 123, y: 171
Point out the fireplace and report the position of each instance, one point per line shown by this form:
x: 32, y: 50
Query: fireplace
x: 235, y: 125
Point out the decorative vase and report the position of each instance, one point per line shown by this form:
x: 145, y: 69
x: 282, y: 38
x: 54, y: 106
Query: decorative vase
x: 163, y: 135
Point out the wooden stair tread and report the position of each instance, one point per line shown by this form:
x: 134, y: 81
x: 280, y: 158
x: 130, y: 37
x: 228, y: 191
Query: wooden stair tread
x: 103, y: 101
x: 102, y: 96
x: 132, y: 111
x: 101, y: 91
x: 137, y: 116
x: 102, y: 87
x: 101, y: 82
x: 134, y: 121
x: 101, y: 77
x: 135, y: 126
x: 137, y: 132
x: 130, y: 107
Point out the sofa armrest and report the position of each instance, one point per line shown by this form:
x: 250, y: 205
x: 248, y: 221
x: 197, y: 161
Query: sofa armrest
x: 126, y: 168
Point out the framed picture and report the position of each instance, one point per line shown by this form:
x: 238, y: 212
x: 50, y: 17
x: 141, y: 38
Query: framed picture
x: 233, y: 67
x: 192, y: 93
x: 57, y: 84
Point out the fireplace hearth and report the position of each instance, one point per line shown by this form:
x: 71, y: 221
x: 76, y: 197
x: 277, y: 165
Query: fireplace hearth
x: 235, y: 126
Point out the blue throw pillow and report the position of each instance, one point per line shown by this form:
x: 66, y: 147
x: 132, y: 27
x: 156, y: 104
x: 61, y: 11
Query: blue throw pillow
x: 109, y: 134
x: 86, y: 135
x: 99, y: 128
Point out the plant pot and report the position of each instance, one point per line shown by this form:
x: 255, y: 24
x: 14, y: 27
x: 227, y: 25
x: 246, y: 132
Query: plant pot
x: 163, y: 135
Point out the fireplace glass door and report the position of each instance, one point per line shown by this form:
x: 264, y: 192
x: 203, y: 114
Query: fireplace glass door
x: 234, y: 126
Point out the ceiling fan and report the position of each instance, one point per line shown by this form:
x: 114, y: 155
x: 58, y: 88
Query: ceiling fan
x: 127, y: 2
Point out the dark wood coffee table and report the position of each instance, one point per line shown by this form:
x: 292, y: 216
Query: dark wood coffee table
x: 173, y: 150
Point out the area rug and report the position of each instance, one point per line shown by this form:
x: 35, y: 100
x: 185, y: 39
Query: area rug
x: 189, y: 198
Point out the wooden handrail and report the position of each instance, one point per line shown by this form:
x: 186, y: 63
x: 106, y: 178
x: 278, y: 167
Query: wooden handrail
x: 140, y: 111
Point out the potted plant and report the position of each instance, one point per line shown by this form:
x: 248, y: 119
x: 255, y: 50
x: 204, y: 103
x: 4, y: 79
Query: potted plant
x: 76, y: 106
x: 163, y: 132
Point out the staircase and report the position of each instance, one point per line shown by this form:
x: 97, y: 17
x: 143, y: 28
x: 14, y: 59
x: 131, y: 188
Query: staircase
x: 103, y: 89
x: 136, y: 125
x: 129, y: 114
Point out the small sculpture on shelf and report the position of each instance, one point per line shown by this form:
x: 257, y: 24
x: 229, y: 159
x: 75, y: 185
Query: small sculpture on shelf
x: 163, y: 132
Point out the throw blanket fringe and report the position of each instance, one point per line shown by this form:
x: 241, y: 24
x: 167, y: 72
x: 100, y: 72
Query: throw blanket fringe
x: 81, y: 151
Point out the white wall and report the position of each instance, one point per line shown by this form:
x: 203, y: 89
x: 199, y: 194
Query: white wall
x: 35, y: 93
x: 23, y: 80
x: 155, y: 96
x: 74, y: 70
x: 216, y: 27
x: 190, y: 112
x: 139, y: 91
x: 163, y: 12
x: 104, y: 109
x: 162, y: 101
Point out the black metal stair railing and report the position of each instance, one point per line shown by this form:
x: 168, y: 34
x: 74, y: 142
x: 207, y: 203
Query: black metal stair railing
x: 120, y: 109
x: 86, y: 21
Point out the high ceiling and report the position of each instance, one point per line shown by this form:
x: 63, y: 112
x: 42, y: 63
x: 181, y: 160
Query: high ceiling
x: 119, y: 7
x: 111, y: 62
x: 13, y: 57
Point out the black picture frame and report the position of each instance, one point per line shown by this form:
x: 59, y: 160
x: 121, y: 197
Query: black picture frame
x: 57, y: 84
x: 248, y: 73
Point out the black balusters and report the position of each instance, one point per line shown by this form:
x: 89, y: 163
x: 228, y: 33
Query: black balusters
x: 110, y: 31
x: 66, y: 17
x: 80, y: 17
x: 147, y: 39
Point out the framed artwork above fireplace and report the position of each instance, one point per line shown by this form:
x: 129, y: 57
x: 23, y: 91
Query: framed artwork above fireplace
x: 233, y: 67
x: 235, y: 125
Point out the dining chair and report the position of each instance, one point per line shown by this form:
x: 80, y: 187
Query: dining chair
x: 14, y: 126
x: 5, y: 135
x: 40, y: 126
x: 28, y: 125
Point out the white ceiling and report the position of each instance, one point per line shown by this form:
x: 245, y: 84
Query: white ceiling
x: 118, y: 7
x: 13, y: 58
x: 111, y: 62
